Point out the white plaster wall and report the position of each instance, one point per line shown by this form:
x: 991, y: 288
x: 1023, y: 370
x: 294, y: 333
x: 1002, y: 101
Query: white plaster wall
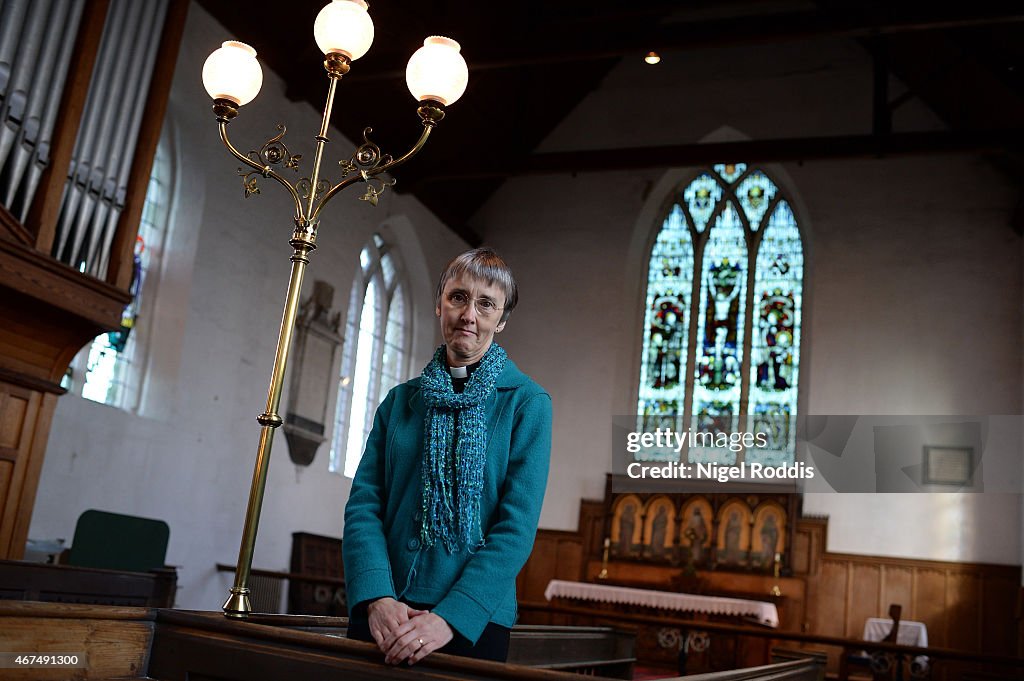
x: 913, y: 294
x: 187, y: 456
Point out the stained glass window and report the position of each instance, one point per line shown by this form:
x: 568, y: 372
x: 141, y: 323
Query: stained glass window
x: 667, y: 322
x: 720, y: 327
x: 755, y: 193
x: 375, y: 357
x: 730, y: 171
x: 725, y: 278
x: 702, y: 195
x: 109, y: 370
x: 775, y: 350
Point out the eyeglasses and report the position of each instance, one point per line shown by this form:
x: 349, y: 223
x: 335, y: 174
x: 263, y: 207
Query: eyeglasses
x: 485, y: 307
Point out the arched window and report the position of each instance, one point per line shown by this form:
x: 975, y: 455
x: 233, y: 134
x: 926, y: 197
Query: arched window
x: 723, y: 314
x: 376, y: 354
x: 110, y: 369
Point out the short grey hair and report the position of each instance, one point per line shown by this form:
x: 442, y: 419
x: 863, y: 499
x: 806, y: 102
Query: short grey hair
x: 484, y: 264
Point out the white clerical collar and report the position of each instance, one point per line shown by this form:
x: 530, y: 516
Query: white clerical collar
x: 459, y: 372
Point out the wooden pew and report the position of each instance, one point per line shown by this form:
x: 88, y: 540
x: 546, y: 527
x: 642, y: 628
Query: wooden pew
x: 807, y: 669
x: 595, y: 651
x: 26, y: 581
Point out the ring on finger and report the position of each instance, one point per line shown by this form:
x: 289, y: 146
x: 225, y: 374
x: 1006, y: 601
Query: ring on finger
x: 420, y: 641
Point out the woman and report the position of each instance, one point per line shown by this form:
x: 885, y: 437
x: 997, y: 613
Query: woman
x: 444, y: 506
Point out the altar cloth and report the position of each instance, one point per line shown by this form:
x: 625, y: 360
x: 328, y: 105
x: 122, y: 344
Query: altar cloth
x: 765, y: 613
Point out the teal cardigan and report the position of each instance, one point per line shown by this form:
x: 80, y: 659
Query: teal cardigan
x: 382, y: 552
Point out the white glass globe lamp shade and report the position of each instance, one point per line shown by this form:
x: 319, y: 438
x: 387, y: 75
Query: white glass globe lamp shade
x: 344, y: 26
x: 232, y: 72
x: 437, y: 71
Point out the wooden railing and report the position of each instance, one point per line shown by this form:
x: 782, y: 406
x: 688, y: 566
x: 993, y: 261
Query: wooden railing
x: 174, y: 645
x: 333, y: 589
x: 848, y: 657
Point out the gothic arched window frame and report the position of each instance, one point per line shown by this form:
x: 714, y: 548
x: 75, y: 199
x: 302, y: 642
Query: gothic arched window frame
x: 367, y: 373
x: 711, y: 202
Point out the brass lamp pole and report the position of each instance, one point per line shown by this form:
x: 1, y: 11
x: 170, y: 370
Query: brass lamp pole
x: 436, y: 75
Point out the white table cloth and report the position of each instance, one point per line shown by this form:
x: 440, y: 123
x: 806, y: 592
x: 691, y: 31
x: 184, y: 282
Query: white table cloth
x: 910, y: 634
x: 765, y: 613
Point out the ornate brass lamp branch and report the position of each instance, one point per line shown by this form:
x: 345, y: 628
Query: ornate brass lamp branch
x: 264, y: 170
x: 430, y: 114
x: 407, y: 155
x: 367, y: 160
x: 365, y: 175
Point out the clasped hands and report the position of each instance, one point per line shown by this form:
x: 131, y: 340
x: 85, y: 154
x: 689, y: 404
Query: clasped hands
x: 406, y: 634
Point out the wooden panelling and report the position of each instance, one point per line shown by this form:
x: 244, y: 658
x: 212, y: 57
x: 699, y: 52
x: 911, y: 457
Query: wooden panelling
x: 998, y: 607
x: 46, y: 282
x: 12, y: 419
x: 556, y: 555
x: 26, y: 416
x: 831, y: 600
x: 809, y: 545
x: 801, y: 552
x: 570, y: 559
x: 6, y: 472
x: 963, y: 611
x: 591, y: 526
x: 863, y: 596
x: 530, y: 583
x: 966, y: 606
x: 38, y: 363
x: 47, y: 312
x: 929, y: 604
x: 897, y: 586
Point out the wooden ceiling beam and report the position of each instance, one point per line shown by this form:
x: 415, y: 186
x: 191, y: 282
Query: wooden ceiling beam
x: 842, y: 147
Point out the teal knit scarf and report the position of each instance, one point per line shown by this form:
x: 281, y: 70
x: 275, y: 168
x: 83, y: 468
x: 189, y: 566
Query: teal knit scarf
x: 455, y: 450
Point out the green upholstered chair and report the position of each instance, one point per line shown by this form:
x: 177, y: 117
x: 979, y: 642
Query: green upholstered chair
x: 119, y: 542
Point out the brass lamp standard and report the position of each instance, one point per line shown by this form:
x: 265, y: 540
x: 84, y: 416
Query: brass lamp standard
x: 436, y: 75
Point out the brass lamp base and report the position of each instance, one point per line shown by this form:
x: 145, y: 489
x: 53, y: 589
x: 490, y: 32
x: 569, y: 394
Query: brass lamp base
x: 237, y: 605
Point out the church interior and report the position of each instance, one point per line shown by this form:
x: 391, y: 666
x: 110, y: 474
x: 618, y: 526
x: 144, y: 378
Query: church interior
x: 805, y: 211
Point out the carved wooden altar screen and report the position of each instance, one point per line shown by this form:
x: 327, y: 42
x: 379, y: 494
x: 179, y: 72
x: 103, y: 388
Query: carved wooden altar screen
x: 740, y: 532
